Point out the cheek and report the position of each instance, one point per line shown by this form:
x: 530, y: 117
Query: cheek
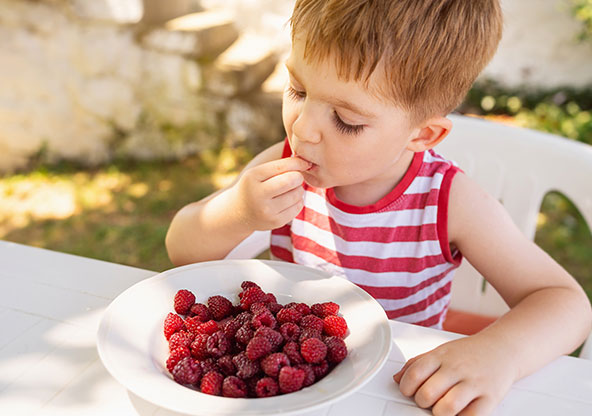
x: 289, y: 115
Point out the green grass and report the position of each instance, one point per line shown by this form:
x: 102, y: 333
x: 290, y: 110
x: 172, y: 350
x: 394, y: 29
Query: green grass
x: 118, y: 213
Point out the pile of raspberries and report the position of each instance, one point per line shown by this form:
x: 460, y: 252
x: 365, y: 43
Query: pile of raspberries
x: 256, y: 348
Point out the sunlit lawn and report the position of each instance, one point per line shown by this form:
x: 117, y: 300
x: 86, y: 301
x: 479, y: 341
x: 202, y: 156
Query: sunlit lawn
x: 118, y: 213
x: 121, y: 212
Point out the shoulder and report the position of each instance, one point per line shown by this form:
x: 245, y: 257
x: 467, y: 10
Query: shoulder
x: 471, y: 210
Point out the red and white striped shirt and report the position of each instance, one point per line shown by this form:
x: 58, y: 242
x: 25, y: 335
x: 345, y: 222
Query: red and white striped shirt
x: 396, y: 249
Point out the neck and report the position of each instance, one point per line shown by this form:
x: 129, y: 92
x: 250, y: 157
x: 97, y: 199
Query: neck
x: 373, y: 190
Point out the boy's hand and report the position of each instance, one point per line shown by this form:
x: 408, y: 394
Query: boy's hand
x: 270, y: 195
x: 467, y: 376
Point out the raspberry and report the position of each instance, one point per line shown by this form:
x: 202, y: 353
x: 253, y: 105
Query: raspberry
x: 274, y: 307
x: 321, y: 369
x: 233, y: 386
x: 245, y: 367
x: 210, y: 364
x: 272, y: 364
x: 251, y: 295
x: 180, y: 339
x: 264, y: 318
x: 184, y: 299
x: 258, y: 307
x: 200, y: 312
x: 199, y: 348
x: 289, y: 315
x: 244, y: 317
x: 303, y: 308
x: 175, y: 356
x: 335, y: 326
x: 292, y: 350
x: 325, y: 309
x: 172, y: 323
x: 211, y: 383
x: 230, y: 328
x: 309, y: 333
x: 251, y: 386
x: 290, y: 379
x: 266, y: 387
x: 219, y: 307
x: 312, y: 322
x: 187, y: 371
x: 309, y: 375
x: 244, y: 334
x: 270, y: 298
x: 336, y: 350
x: 207, y: 327
x: 247, y: 284
x: 258, y: 347
x: 290, y: 331
x: 274, y: 337
x: 217, y: 344
x: 226, y: 365
x: 313, y: 350
x: 192, y: 323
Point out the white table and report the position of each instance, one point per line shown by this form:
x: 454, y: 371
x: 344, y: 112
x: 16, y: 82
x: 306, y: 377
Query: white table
x: 51, y: 304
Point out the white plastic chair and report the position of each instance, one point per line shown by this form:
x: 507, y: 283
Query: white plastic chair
x: 518, y: 167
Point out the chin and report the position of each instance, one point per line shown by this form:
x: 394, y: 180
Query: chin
x: 313, y: 180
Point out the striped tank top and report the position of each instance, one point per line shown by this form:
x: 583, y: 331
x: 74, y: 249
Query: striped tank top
x: 396, y: 249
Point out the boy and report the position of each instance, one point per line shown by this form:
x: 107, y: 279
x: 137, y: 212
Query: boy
x: 365, y: 197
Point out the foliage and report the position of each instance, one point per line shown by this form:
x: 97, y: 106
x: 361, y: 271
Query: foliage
x: 566, y: 112
x: 582, y: 11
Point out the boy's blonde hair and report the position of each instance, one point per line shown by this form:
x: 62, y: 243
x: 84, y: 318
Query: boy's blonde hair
x: 430, y: 51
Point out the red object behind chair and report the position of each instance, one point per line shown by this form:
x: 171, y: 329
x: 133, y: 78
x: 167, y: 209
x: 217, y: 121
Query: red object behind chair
x: 466, y: 323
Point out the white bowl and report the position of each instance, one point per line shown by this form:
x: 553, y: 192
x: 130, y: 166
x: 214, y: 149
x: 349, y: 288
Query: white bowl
x: 132, y: 346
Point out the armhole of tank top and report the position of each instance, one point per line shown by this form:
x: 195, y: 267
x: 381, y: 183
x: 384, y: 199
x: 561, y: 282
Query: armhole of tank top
x: 442, y: 225
x: 287, y: 151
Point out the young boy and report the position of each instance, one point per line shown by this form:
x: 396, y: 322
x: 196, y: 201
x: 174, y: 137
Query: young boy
x: 365, y: 197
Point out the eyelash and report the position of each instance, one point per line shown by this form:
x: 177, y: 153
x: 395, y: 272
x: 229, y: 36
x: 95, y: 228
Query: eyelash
x: 340, y: 125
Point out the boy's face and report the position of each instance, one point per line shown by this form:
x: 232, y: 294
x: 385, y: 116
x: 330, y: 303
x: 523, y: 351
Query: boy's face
x: 351, y: 136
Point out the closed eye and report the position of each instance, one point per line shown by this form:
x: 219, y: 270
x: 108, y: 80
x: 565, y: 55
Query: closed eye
x: 295, y: 94
x: 343, y: 127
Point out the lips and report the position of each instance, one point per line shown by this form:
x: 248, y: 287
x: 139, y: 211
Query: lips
x: 312, y: 164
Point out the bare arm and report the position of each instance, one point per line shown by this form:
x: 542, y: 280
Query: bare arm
x: 550, y: 313
x: 544, y: 299
x: 266, y: 195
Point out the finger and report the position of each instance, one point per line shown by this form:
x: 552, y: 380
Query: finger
x: 287, y: 199
x: 399, y: 374
x: 289, y: 213
x: 480, y: 406
x: 276, y: 167
x: 417, y: 373
x: 282, y: 183
x: 455, y: 400
x: 434, y: 388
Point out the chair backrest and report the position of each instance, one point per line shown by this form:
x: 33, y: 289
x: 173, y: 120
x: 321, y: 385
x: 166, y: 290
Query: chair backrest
x: 518, y: 167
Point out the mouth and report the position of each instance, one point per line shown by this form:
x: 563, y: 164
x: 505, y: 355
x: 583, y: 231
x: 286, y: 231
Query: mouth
x: 312, y: 164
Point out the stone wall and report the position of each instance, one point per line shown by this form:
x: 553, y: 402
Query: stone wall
x: 539, y: 47
x: 89, y: 81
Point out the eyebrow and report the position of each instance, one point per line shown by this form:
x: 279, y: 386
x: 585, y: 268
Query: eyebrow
x: 335, y: 101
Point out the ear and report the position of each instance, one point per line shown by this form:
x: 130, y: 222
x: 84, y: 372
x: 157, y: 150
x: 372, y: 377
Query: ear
x: 429, y: 134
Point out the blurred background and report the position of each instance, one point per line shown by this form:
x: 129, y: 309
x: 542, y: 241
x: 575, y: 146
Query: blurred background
x: 116, y: 113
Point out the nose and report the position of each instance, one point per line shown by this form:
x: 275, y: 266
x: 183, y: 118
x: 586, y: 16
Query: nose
x: 306, y: 127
